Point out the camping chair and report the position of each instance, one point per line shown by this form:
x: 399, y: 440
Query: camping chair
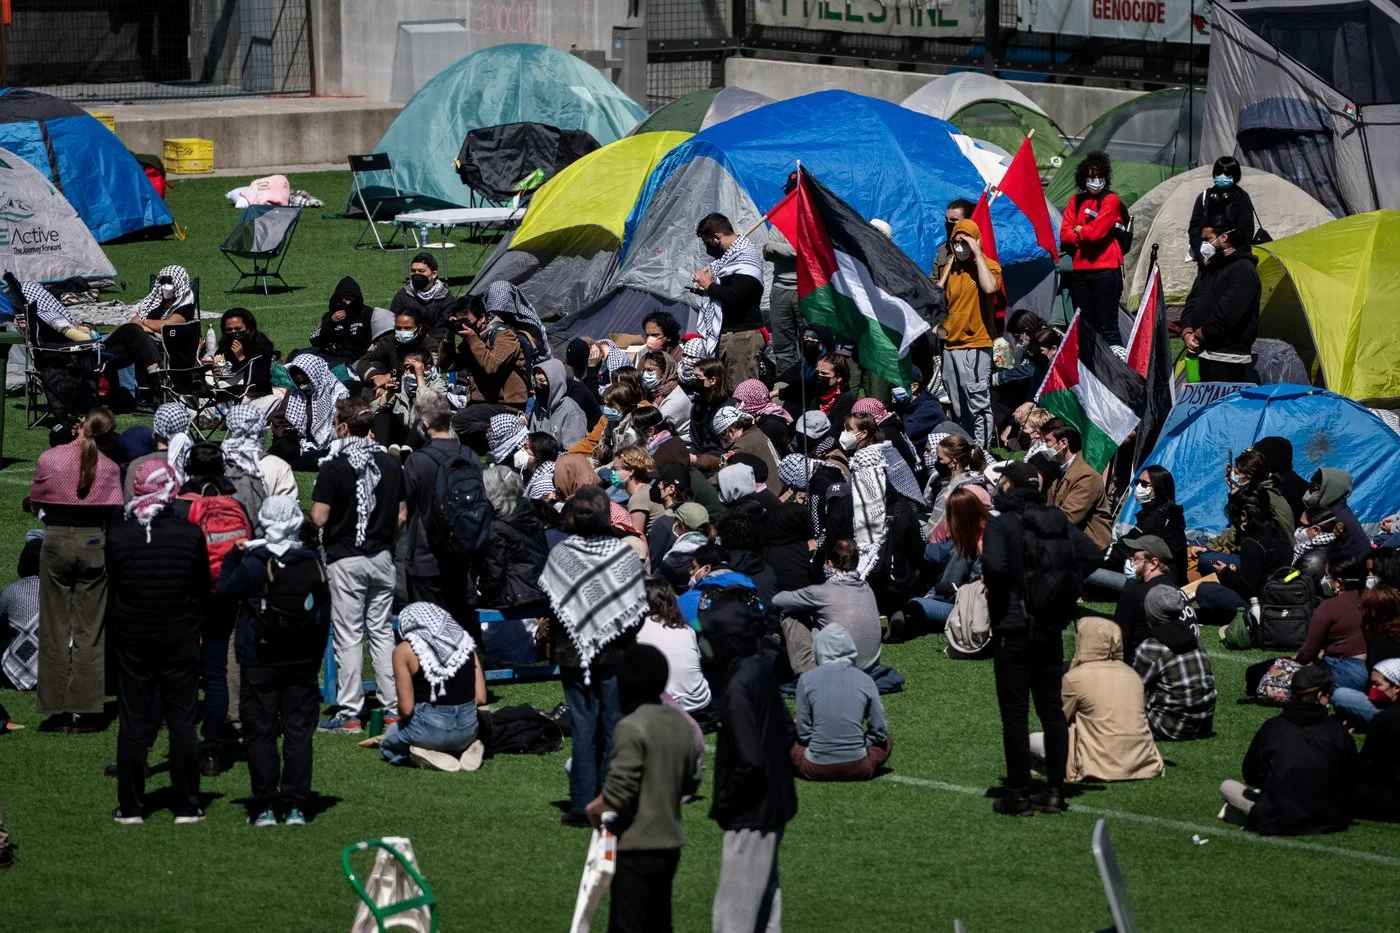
x: 81, y: 358
x: 183, y: 378
x: 1120, y: 906
x: 380, y: 201
x: 261, y: 236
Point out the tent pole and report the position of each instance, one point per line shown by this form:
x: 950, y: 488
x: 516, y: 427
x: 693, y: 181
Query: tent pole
x: 1190, y: 85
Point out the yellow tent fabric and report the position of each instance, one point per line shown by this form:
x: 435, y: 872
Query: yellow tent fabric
x: 1332, y: 292
x: 597, y: 190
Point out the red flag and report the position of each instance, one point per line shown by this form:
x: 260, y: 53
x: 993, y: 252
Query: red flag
x: 1150, y: 356
x: 1021, y: 184
x: 982, y: 217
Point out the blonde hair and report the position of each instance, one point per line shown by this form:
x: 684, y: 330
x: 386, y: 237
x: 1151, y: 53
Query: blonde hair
x: 1038, y: 419
x: 636, y: 459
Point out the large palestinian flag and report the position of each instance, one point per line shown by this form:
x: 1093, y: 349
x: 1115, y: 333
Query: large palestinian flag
x: 1095, y: 391
x: 854, y: 279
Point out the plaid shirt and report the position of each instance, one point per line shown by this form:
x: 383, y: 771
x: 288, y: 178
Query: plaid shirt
x: 1180, y: 690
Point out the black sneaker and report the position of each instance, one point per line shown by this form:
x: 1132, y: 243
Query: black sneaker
x: 7, y: 856
x: 54, y: 723
x: 1013, y: 803
x: 1050, y: 800
x: 575, y: 820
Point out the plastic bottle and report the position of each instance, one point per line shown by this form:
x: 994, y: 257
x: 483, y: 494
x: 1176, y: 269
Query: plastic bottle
x: 211, y: 343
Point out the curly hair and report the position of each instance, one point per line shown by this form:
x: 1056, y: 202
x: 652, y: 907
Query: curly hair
x: 1097, y: 163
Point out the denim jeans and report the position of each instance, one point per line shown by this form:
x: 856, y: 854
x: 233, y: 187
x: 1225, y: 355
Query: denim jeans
x: 1348, y: 672
x: 596, y: 710
x: 935, y: 611
x: 447, y: 729
x: 1354, y: 704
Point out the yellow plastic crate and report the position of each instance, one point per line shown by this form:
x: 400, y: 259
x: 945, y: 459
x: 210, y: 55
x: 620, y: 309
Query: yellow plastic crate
x: 189, y: 156
x: 106, y: 119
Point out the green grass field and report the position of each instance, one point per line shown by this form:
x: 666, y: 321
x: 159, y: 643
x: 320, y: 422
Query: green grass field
x: 909, y: 851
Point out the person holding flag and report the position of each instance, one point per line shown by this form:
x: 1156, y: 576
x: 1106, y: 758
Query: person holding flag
x: 970, y: 283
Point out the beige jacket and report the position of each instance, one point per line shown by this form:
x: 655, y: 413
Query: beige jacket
x: 1080, y: 494
x: 1109, y: 738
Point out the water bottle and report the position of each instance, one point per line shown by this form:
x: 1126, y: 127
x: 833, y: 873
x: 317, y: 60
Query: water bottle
x: 1254, y: 613
x: 211, y: 343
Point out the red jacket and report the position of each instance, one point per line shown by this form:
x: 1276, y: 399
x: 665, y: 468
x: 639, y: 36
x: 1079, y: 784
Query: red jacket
x: 1095, y: 246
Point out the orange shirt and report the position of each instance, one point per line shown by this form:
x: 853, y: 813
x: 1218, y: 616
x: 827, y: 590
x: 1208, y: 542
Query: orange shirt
x: 971, y: 312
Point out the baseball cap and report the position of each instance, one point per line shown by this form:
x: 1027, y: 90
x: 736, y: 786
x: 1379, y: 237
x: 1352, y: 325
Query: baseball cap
x: 1153, y: 545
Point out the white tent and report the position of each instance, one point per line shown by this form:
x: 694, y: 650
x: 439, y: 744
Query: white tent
x: 947, y: 95
x: 42, y: 238
x: 1163, y: 215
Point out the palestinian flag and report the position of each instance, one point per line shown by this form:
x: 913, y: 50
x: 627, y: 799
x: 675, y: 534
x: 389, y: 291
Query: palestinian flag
x: 854, y: 279
x: 1150, y: 356
x: 1095, y: 391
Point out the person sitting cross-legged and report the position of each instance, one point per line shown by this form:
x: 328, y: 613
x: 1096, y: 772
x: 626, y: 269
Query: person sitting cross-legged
x: 844, y: 599
x: 841, y: 734
x: 1175, y: 669
x: 440, y: 685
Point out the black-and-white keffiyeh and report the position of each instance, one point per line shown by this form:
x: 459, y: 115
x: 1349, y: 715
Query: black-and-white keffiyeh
x: 1325, y: 539
x: 596, y: 588
x: 901, y: 479
x: 322, y: 394
x: 440, y: 643
x: 51, y: 310
x: 505, y: 301
x: 542, y: 482
x: 432, y: 293
x: 742, y: 258
x: 360, y: 452
x: 868, y: 481
x: 172, y: 422
x: 156, y: 305
x: 243, y: 445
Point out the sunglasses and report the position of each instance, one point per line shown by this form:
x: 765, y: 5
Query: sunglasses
x: 1144, y: 484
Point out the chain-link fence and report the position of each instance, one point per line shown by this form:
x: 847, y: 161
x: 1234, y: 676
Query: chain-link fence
x: 118, y: 50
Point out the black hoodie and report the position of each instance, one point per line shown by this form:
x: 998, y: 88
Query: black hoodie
x: 1301, y: 761
x: 347, y: 340
x: 1224, y: 304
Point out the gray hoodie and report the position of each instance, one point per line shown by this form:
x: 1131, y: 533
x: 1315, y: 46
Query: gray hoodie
x: 561, y: 416
x: 835, y: 701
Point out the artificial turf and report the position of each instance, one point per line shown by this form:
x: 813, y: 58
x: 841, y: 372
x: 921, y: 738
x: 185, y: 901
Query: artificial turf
x: 909, y: 851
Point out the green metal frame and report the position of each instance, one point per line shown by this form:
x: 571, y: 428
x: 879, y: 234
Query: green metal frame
x: 427, y: 899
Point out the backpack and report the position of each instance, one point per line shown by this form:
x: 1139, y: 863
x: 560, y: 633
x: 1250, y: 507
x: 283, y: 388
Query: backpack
x: 730, y: 607
x: 522, y: 730
x: 1286, y: 604
x: 1052, y: 584
x: 461, y: 524
x: 529, y: 351
x: 224, y: 524
x: 1123, y: 230
x: 969, y: 627
x: 288, y: 601
x: 1275, y: 683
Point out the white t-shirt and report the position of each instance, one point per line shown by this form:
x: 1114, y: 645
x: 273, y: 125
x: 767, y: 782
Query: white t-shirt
x: 685, y: 683
x: 278, y: 477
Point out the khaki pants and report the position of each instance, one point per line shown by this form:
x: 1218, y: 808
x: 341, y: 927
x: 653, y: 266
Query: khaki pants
x: 797, y: 634
x: 72, y: 637
x: 739, y: 352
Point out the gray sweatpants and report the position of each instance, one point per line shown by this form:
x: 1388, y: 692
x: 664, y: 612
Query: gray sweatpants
x: 1239, y: 800
x: 748, y: 899
x: 362, y: 600
x: 967, y: 374
x: 783, y: 323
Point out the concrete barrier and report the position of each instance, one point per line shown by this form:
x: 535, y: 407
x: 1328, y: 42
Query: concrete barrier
x: 1073, y: 107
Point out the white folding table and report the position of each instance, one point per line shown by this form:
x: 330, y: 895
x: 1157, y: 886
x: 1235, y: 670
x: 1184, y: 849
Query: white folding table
x: 446, y: 220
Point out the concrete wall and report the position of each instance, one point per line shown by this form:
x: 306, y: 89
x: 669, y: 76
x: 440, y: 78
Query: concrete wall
x: 355, y: 39
x: 1073, y: 107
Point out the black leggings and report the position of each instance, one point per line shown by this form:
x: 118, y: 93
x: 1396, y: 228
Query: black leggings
x: 132, y: 343
x: 1096, y: 292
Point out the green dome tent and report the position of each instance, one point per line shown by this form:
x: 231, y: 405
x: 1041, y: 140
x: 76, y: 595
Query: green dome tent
x: 702, y: 110
x: 987, y: 108
x: 1332, y: 292
x: 1149, y: 138
x: 502, y: 84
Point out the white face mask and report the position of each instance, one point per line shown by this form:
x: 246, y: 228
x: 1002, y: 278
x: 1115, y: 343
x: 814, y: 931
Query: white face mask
x: 1143, y: 494
x: 521, y: 459
x: 1095, y: 185
x: 961, y: 252
x: 848, y: 440
x: 1207, y: 252
x: 1130, y: 569
x: 1371, y: 581
x: 695, y: 578
x: 167, y: 291
x: 1300, y: 536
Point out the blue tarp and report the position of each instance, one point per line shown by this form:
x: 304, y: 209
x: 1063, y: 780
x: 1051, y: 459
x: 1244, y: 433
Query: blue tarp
x: 882, y: 159
x: 503, y: 84
x: 1325, y: 430
x: 84, y: 160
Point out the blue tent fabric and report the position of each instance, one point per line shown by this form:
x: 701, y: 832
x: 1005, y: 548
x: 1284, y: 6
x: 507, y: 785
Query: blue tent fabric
x: 1325, y: 430
x: 512, y: 83
x: 884, y: 160
x: 84, y: 160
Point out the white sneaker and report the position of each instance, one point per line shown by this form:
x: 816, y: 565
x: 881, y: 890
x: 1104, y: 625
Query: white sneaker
x: 188, y: 819
x: 471, y: 758
x: 433, y: 760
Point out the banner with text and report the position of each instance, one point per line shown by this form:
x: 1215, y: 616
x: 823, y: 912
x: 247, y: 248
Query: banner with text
x: 1184, y: 21
x: 926, y: 19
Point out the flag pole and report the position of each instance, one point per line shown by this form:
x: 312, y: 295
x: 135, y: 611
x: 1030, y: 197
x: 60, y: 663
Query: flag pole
x: 802, y: 381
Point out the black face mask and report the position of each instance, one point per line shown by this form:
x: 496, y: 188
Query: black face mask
x: 714, y: 251
x: 420, y: 282
x: 656, y: 495
x: 542, y: 390
x: 943, y: 469
x: 948, y: 230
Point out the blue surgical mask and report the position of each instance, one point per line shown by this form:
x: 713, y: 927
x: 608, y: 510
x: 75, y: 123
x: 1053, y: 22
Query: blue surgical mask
x: 651, y: 378
x: 1223, y: 181
x: 612, y: 414
x: 405, y: 336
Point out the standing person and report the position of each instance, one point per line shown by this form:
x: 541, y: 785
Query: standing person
x: 158, y: 566
x: 652, y: 769
x: 1078, y: 491
x: 754, y: 794
x: 1089, y: 233
x: 783, y: 320
x: 971, y: 282
x: 957, y: 209
x: 358, y: 503
x: 595, y: 586
x: 1224, y: 198
x: 170, y: 425
x: 1221, y: 317
x: 76, y: 491
x: 283, y: 617
x: 732, y: 286
x: 1031, y: 597
x: 427, y: 296
x: 255, y: 474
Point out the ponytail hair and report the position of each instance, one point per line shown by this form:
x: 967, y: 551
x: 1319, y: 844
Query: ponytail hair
x: 96, y: 423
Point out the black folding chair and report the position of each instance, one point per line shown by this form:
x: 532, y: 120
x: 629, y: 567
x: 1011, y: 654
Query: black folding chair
x: 261, y: 237
x: 182, y: 377
x: 378, y: 193
x: 82, y: 362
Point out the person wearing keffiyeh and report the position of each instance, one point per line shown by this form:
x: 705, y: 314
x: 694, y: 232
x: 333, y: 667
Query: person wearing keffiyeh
x: 138, y: 342
x: 427, y: 296
x: 303, y: 424
x: 730, y: 289
x: 885, y: 506
x: 66, y: 377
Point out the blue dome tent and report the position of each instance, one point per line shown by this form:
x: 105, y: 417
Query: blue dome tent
x: 83, y: 160
x: 1325, y: 430
x: 503, y: 84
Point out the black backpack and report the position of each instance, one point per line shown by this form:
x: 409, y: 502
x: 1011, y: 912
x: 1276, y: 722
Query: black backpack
x: 1052, y: 581
x: 1286, y: 604
x: 726, y: 608
x: 461, y: 524
x: 288, y: 606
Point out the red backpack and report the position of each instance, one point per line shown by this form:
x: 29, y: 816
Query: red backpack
x: 224, y: 524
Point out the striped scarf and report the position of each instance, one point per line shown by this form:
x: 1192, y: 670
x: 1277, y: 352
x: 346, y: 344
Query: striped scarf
x: 742, y: 258
x: 360, y: 452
